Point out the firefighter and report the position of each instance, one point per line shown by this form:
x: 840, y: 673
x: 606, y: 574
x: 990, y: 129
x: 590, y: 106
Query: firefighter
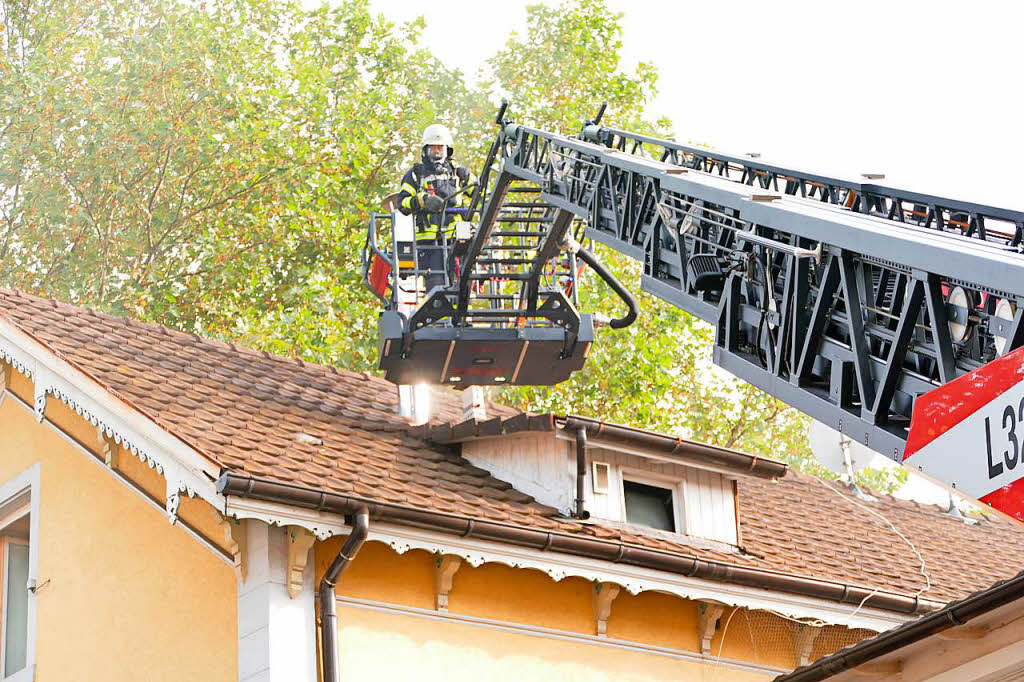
x: 428, y: 189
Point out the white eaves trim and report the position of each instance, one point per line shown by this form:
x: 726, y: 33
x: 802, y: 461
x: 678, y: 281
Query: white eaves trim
x: 634, y: 579
x: 185, y: 470
x: 321, y: 524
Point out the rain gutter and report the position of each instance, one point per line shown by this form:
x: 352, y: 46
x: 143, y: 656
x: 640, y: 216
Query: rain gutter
x: 685, y: 450
x: 242, y: 485
x: 328, y: 599
x: 581, y: 472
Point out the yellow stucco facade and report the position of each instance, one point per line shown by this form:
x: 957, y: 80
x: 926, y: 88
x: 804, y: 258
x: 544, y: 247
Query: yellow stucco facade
x: 126, y: 595
x: 123, y: 594
x: 506, y: 623
x: 389, y: 646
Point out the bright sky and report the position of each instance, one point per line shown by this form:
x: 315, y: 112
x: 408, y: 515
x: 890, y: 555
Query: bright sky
x: 929, y: 93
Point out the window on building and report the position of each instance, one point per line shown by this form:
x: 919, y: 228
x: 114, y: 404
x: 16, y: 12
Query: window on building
x: 15, y: 602
x: 649, y: 505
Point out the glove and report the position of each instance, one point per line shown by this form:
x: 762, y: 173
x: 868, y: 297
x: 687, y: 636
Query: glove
x: 462, y: 173
x: 431, y: 203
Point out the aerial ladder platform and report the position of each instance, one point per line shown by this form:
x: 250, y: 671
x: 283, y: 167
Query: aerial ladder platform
x: 846, y: 298
x: 503, y: 309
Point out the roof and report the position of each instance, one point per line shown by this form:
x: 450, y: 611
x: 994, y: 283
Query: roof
x: 956, y: 613
x: 245, y: 409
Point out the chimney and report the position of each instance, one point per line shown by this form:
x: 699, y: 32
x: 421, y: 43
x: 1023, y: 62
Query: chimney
x: 414, y: 403
x: 474, y: 405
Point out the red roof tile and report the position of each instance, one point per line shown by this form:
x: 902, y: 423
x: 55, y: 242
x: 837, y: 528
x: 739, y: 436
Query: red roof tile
x: 246, y: 409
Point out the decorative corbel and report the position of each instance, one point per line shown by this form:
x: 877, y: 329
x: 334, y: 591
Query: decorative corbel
x: 444, y: 573
x: 604, y: 595
x: 803, y: 643
x: 300, y: 541
x: 239, y: 532
x: 39, y: 398
x: 709, y: 613
x: 233, y: 537
x: 173, y: 500
x: 108, y: 448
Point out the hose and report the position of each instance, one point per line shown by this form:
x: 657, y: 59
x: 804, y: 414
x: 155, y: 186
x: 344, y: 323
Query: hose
x: 609, y: 279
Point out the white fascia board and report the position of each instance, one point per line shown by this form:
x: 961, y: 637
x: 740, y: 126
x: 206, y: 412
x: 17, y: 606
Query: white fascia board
x: 183, y: 467
x: 321, y: 524
x: 634, y: 579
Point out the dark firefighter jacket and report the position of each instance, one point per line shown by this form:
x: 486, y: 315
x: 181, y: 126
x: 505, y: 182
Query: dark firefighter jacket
x: 444, y: 180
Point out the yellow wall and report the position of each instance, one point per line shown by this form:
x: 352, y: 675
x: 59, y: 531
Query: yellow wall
x: 124, y: 595
x: 390, y: 645
x: 386, y: 646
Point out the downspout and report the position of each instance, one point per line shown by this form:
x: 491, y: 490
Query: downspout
x: 581, y: 471
x: 328, y: 600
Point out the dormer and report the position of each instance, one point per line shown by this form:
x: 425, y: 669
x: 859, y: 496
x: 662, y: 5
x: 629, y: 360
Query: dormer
x: 644, y: 482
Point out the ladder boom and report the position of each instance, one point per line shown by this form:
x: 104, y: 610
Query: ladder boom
x: 848, y: 311
x: 987, y: 223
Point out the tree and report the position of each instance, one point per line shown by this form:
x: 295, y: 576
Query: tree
x: 567, y: 63
x: 658, y: 372
x: 211, y: 166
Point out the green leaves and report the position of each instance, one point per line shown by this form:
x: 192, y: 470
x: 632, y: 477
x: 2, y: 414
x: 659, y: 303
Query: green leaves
x: 567, y: 63
x: 211, y: 166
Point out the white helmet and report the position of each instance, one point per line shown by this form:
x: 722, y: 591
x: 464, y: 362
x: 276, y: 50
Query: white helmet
x: 437, y: 133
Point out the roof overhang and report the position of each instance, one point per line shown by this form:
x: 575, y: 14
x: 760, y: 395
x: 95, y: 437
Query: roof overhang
x: 636, y: 568
x: 186, y: 470
x: 985, y: 628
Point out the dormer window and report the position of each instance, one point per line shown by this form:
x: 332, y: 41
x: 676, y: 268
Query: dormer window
x: 649, y: 505
x: 644, y: 482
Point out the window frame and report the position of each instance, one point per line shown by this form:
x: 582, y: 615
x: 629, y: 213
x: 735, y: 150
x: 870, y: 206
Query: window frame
x: 25, y: 482
x: 608, y: 476
x: 7, y: 542
x: 672, y: 484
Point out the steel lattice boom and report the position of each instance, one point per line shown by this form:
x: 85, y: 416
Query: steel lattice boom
x: 988, y: 223
x: 843, y: 299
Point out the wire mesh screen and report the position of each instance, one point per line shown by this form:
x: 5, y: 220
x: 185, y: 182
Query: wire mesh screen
x: 768, y: 639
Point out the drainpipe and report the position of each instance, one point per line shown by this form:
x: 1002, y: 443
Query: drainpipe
x: 328, y: 601
x: 581, y: 471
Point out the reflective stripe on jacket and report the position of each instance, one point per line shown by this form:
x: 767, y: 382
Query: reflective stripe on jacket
x: 439, y: 179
